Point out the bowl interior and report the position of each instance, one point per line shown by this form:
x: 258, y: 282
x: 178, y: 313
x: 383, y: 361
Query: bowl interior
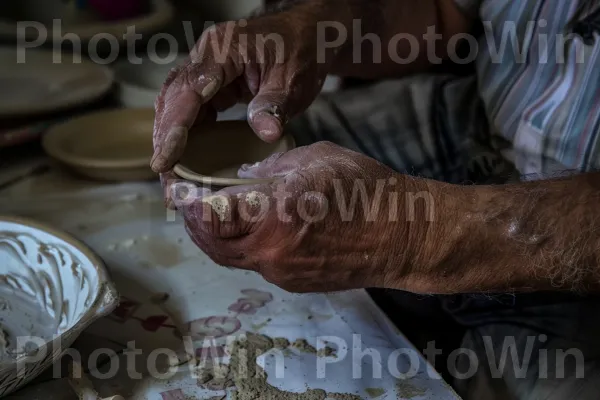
x: 216, y: 152
x: 108, y: 139
x: 47, y: 285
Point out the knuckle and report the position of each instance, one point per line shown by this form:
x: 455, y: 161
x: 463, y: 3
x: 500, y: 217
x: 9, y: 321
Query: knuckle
x: 324, y: 145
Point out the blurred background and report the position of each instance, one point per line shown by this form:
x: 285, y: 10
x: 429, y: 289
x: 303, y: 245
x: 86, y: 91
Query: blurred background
x: 61, y: 60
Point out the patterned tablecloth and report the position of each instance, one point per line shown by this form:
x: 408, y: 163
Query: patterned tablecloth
x: 169, y: 287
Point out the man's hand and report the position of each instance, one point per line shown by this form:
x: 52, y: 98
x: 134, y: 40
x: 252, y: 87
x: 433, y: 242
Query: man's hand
x: 278, y: 62
x: 333, y: 220
x: 269, y: 62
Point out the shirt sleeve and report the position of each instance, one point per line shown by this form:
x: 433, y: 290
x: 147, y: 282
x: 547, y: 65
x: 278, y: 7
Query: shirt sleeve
x: 470, y: 7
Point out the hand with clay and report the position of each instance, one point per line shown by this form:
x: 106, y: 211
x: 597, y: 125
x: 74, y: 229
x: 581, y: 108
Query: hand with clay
x: 270, y: 62
x: 333, y: 220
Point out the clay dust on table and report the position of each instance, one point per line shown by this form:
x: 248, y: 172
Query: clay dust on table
x: 305, y: 347
x: 281, y: 343
x: 407, y: 390
x: 375, y: 392
x: 250, y: 380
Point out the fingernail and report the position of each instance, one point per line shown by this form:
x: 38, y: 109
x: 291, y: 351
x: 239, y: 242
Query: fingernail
x: 269, y: 128
x: 210, y: 90
x: 156, y: 164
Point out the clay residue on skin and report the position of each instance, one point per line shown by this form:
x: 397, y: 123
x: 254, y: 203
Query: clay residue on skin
x: 375, y: 392
x: 407, y: 390
x: 219, y: 204
x: 251, y: 380
x: 304, y: 346
x: 253, y: 199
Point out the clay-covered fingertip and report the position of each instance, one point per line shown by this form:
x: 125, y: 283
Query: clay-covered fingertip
x: 160, y: 165
x: 267, y: 127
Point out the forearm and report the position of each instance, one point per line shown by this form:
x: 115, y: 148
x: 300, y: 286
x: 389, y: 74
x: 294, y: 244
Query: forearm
x: 375, y: 32
x: 523, y: 237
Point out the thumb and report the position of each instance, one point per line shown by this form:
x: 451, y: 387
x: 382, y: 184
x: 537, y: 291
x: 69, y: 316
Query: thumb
x: 268, y: 113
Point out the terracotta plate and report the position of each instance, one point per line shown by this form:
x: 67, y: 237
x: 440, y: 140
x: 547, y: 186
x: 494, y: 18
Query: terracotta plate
x: 37, y: 82
x: 80, y: 23
x: 111, y: 145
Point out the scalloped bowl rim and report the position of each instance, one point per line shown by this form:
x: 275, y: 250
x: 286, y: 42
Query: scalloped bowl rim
x: 105, y: 285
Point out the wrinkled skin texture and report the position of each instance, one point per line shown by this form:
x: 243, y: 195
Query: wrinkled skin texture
x: 293, y: 238
x: 230, y: 64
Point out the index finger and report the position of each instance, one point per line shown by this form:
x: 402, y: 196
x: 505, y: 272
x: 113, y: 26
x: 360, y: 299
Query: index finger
x: 181, y: 108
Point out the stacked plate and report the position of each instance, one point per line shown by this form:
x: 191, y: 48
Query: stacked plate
x: 36, y: 83
x: 74, y: 21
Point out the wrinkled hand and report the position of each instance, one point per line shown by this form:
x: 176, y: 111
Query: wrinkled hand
x: 328, y: 222
x: 269, y: 62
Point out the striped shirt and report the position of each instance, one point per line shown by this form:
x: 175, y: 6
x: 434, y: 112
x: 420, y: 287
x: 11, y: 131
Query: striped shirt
x: 541, y: 95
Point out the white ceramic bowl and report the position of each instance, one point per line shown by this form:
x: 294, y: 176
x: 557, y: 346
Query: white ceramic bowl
x: 51, y: 288
x: 140, y: 84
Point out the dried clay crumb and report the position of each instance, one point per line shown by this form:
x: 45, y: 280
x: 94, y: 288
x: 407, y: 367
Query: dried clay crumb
x: 375, y: 392
x: 304, y: 346
x: 327, y: 352
x: 343, y: 396
x: 251, y: 380
x: 281, y: 343
x: 407, y: 390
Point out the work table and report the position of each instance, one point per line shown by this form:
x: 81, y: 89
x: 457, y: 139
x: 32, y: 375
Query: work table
x: 169, y: 287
